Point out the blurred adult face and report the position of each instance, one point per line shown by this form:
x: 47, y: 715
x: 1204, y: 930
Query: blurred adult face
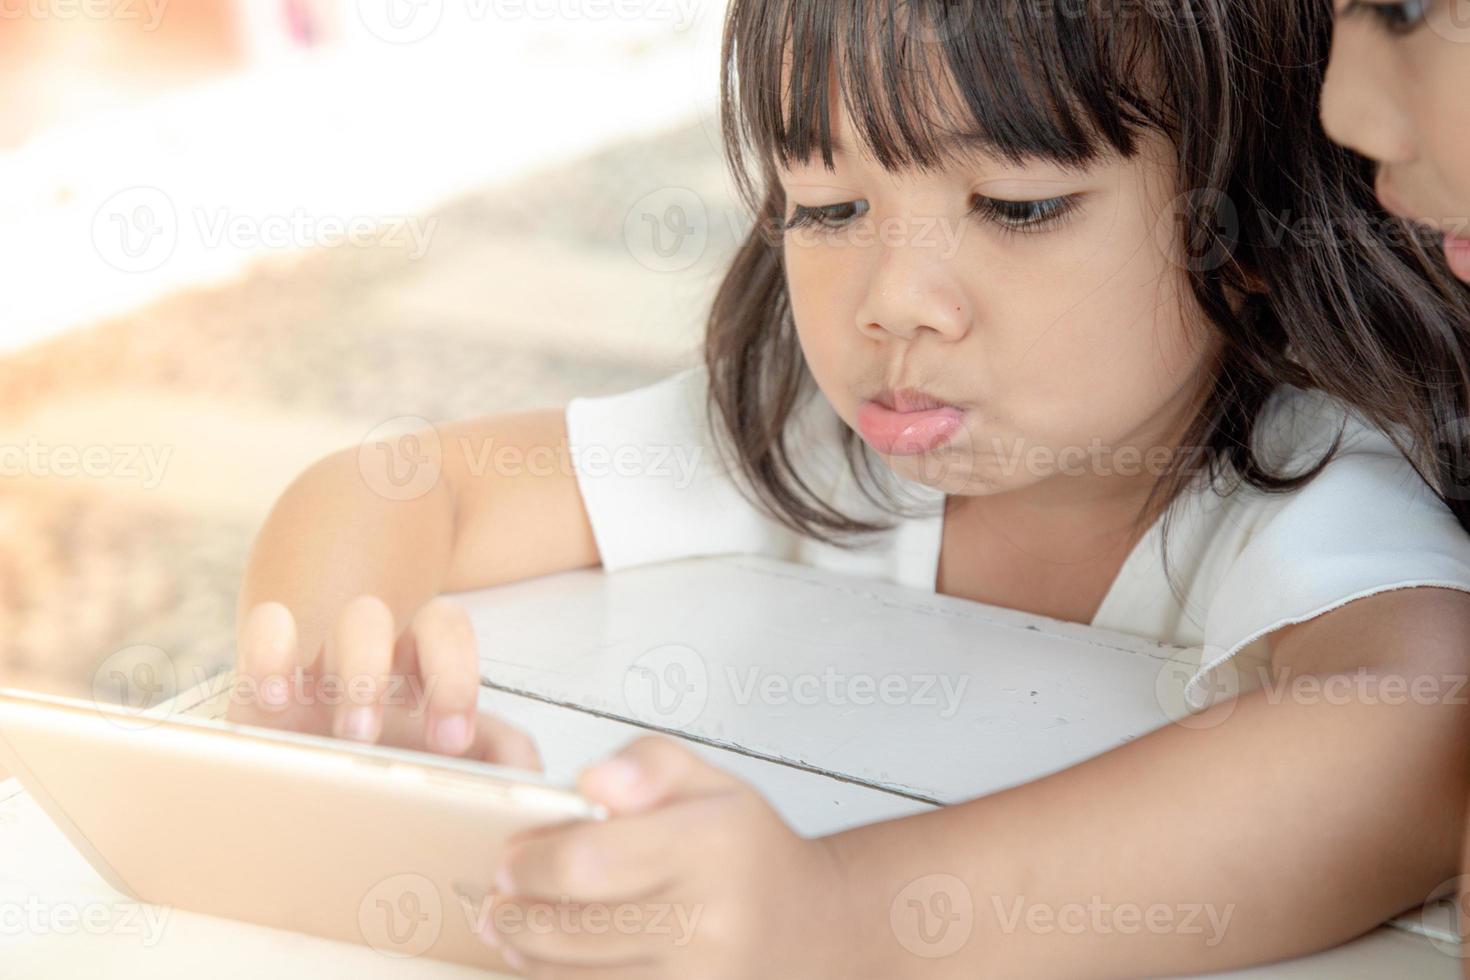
x: 1398, y: 91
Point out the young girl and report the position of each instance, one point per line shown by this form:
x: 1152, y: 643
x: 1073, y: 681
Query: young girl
x: 1395, y: 91
x: 1039, y: 296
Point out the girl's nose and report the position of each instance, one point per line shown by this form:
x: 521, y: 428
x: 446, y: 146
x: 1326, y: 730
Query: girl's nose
x: 1361, y: 105
x: 912, y: 289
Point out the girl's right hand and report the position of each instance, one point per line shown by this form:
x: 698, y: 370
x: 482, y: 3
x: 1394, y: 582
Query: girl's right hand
x: 419, y: 691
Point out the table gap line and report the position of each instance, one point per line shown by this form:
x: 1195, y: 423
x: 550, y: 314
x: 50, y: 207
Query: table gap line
x: 713, y: 743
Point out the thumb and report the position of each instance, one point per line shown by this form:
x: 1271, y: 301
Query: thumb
x: 650, y: 773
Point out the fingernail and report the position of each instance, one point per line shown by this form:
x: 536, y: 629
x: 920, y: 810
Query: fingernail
x: 503, y: 884
x: 360, y: 724
x: 516, y: 960
x: 488, y: 933
x: 452, y: 734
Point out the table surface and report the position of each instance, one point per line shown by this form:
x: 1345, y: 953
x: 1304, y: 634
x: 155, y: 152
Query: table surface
x: 783, y: 674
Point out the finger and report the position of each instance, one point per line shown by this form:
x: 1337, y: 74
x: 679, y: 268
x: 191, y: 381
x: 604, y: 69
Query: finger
x: 581, y: 935
x: 650, y: 772
x: 502, y: 743
x: 449, y: 667
x: 618, y: 860
x: 496, y: 741
x: 266, y: 658
x: 359, y: 658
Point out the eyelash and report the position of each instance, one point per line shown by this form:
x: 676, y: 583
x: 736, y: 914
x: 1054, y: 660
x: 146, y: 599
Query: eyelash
x: 1396, y: 18
x: 1011, y: 217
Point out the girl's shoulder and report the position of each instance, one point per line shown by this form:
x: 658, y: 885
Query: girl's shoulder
x: 659, y: 479
x: 1365, y: 523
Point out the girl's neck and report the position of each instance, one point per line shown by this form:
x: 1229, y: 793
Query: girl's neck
x: 1063, y: 529
x: 1057, y: 562
x: 1068, y: 525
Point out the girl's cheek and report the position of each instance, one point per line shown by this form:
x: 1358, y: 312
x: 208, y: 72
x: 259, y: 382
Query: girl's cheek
x: 1119, y: 343
x: 825, y: 291
x: 823, y: 325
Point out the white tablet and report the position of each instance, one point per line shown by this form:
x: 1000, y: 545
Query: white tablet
x: 386, y: 847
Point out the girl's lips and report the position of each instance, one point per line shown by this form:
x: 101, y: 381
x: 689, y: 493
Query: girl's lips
x: 907, y: 433
x: 1457, y: 254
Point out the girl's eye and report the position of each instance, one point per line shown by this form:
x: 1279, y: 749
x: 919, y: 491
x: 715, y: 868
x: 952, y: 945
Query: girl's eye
x: 1396, y: 18
x: 1025, y: 216
x: 830, y: 216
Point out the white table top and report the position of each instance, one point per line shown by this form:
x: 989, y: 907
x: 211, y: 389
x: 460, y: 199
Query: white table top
x: 782, y: 674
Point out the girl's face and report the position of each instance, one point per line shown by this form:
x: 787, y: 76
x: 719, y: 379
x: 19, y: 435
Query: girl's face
x: 1398, y: 91
x: 993, y: 326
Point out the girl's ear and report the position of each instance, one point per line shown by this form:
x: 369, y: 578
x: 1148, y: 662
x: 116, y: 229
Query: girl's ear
x: 1252, y: 285
x: 1255, y: 284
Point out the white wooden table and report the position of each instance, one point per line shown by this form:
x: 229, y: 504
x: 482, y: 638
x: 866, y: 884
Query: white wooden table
x: 844, y: 701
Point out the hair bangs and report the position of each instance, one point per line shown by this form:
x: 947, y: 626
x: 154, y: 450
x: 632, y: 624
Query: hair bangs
x: 925, y: 83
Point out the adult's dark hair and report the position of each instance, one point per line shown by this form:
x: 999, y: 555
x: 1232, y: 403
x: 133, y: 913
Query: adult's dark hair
x: 1296, y: 269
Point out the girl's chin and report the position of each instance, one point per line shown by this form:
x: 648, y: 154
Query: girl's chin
x: 953, y: 475
x: 1457, y: 254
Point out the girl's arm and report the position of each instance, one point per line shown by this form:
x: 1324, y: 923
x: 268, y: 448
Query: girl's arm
x: 1275, y: 826
x: 342, y: 575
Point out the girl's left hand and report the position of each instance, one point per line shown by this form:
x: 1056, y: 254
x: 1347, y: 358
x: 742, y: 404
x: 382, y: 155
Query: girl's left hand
x: 693, y: 875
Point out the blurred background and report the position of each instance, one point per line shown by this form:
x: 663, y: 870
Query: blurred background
x: 240, y: 234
